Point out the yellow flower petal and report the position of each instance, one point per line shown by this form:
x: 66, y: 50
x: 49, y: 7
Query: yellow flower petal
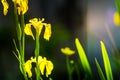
x: 28, y: 67
x: 49, y: 68
x: 39, y: 59
x: 42, y: 64
x: 42, y: 67
x: 28, y: 30
x: 116, y: 18
x: 34, y: 21
x: 25, y: 6
x: 37, y: 24
x: 33, y: 59
x: 5, y: 6
x: 47, y: 33
x: 67, y: 51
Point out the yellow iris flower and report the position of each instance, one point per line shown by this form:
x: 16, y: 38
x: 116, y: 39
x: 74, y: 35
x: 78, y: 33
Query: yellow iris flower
x: 5, y: 6
x: 38, y: 25
x: 28, y: 67
x: 43, y: 64
x: 22, y: 6
x: 67, y: 51
x: 116, y: 18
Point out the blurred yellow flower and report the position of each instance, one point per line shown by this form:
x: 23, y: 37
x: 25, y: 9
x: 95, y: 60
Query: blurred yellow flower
x: 22, y: 6
x: 5, y: 6
x: 116, y: 18
x: 67, y: 51
x: 38, y: 25
x: 28, y: 67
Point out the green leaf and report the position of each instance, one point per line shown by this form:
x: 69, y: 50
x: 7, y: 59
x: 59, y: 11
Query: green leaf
x: 16, y: 55
x: 106, y: 62
x: 83, y: 57
x: 102, y: 77
x: 117, y: 4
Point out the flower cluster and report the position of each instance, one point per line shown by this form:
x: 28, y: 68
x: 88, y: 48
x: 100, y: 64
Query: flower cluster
x: 43, y: 64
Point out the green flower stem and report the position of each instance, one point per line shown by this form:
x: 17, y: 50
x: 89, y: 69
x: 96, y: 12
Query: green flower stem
x: 23, y: 38
x: 16, y: 16
x: 37, y: 47
x: 21, y: 43
x: 22, y: 50
x: 68, y: 68
x: 77, y: 70
x: 36, y: 55
x: 17, y: 25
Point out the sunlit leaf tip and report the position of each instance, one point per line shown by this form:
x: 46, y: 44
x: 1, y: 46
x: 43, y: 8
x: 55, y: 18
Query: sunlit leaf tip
x: 106, y: 61
x: 83, y: 57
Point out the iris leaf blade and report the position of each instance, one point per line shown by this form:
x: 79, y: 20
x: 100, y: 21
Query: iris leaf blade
x: 106, y: 61
x: 83, y: 57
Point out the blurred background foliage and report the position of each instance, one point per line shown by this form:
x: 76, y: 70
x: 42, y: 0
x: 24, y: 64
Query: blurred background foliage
x: 69, y: 19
